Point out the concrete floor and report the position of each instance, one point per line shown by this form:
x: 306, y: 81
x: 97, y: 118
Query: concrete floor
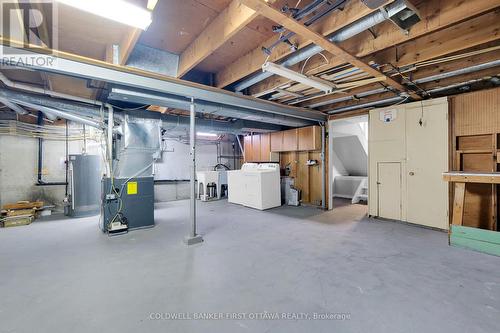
x: 66, y: 276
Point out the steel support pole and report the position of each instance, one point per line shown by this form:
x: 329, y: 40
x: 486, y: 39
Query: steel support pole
x: 193, y: 237
x: 323, y: 167
x: 110, y: 139
x: 241, y: 146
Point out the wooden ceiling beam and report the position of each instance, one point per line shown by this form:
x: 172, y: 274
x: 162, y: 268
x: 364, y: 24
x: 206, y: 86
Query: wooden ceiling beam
x: 425, y: 72
x: 229, y: 22
x: 253, y: 60
x: 264, y: 9
x: 436, y: 15
x: 480, y: 30
x: 456, y: 38
x: 428, y: 86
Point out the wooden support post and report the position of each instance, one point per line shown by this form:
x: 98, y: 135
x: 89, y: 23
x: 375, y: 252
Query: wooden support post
x: 458, y: 204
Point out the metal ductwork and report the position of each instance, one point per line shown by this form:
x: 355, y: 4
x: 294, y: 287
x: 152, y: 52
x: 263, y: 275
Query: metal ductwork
x: 341, y: 35
x: 176, y: 124
x: 140, y: 97
x: 62, y: 114
x: 14, y: 107
x: 42, y: 100
x: 84, y: 113
x: 90, y: 70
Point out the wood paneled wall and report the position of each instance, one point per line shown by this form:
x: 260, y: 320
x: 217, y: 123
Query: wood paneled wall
x: 307, y: 178
x: 292, y: 147
x: 475, y: 132
x: 476, y: 113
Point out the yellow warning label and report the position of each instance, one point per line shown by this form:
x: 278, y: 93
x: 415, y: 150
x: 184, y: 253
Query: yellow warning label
x: 131, y: 188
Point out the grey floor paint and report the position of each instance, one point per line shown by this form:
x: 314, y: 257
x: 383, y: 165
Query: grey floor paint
x: 65, y: 276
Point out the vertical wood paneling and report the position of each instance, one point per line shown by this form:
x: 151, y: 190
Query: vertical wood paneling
x: 475, y: 123
x: 265, y: 147
x: 476, y: 113
x: 308, y: 179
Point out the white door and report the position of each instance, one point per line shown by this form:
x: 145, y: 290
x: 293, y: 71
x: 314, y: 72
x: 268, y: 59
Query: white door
x: 427, y: 159
x: 389, y: 190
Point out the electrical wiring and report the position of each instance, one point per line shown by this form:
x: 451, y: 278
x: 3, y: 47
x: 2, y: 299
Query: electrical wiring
x: 119, y: 194
x: 129, y: 109
x: 305, y: 62
x: 48, y: 132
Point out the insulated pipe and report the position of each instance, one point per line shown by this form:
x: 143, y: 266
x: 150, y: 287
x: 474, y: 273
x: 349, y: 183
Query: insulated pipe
x: 62, y: 114
x: 436, y: 77
x: 457, y: 85
x: 395, y: 99
x: 94, y: 113
x: 348, y: 98
x: 173, y: 123
x: 5, y: 80
x: 369, y: 104
x: 13, y: 107
x: 343, y: 34
x: 72, y: 107
x: 127, y: 95
x: 457, y: 72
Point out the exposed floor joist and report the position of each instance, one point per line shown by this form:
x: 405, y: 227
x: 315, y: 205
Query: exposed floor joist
x: 436, y: 15
x: 450, y: 41
x: 229, y: 22
x: 252, y: 61
x: 264, y: 9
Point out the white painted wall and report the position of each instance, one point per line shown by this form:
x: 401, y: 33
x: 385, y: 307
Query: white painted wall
x: 357, y: 127
x: 19, y: 158
x: 421, y: 149
x: 18, y: 169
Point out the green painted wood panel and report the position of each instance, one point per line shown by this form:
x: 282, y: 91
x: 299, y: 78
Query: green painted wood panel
x: 481, y: 240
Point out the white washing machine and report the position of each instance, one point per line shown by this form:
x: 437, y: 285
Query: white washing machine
x: 255, y: 185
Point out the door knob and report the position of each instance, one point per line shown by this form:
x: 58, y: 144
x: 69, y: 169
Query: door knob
x: 412, y: 173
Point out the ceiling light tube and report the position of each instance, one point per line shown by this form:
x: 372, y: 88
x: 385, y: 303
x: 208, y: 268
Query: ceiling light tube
x: 116, y: 10
x: 313, y: 82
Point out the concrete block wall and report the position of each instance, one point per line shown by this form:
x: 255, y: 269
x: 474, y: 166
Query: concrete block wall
x: 19, y: 159
x: 18, y: 169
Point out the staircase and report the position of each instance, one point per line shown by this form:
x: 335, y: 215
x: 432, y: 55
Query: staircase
x: 361, y: 193
x: 350, y: 158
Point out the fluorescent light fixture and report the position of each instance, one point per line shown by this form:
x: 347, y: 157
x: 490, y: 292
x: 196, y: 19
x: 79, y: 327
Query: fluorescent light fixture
x: 211, y: 135
x: 116, y: 10
x: 313, y: 82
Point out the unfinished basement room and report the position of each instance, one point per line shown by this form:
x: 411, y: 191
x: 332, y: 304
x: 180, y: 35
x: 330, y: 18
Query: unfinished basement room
x: 281, y: 166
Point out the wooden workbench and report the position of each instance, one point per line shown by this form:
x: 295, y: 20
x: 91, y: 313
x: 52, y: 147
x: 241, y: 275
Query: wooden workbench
x: 486, y: 241
x: 460, y: 178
